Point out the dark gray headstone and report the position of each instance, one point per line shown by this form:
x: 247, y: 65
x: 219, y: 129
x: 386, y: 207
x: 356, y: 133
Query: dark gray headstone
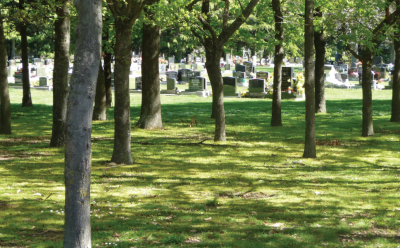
x: 172, y: 74
x: 230, y: 86
x: 377, y: 60
x: 256, y: 85
x: 287, y: 75
x: 43, y: 81
x: 228, y: 67
x: 197, y: 84
x: 171, y: 83
x: 262, y: 74
x: 183, y: 75
x: 241, y: 68
x: 249, y: 67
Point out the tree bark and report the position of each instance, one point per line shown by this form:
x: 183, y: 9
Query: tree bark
x: 60, y: 73
x: 5, y: 107
x: 395, y: 117
x: 100, y: 108
x: 215, y: 76
x: 150, y: 116
x: 276, y: 119
x: 12, y: 49
x: 367, y: 123
x: 309, y: 146
x: 77, y: 230
x: 319, y: 41
x: 122, y: 135
x: 26, y: 88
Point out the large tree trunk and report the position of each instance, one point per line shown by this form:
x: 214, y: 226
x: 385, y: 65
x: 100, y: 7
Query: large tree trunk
x: 276, y: 119
x: 123, y: 54
x: 77, y: 230
x: 309, y: 146
x: 5, y: 108
x: 100, y: 108
x: 367, y: 123
x: 319, y: 41
x: 60, y: 73
x: 215, y: 76
x: 150, y: 116
x: 396, y: 82
x: 26, y: 88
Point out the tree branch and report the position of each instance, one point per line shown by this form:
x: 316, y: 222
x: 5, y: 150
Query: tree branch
x: 228, y: 31
x: 207, y: 26
x: 191, y: 5
x: 351, y: 50
x: 225, y: 16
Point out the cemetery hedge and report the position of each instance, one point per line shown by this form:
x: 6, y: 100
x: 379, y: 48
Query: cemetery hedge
x: 254, y: 190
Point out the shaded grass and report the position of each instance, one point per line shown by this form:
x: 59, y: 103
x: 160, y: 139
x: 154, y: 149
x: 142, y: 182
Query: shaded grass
x: 254, y: 190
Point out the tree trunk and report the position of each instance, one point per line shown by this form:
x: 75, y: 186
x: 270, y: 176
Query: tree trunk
x: 26, y: 88
x: 396, y: 82
x: 107, y: 79
x: 77, y: 230
x: 319, y: 41
x: 367, y: 123
x: 60, y: 74
x: 215, y: 76
x: 309, y: 146
x: 276, y: 119
x: 5, y: 108
x: 150, y: 116
x: 123, y: 54
x: 100, y: 108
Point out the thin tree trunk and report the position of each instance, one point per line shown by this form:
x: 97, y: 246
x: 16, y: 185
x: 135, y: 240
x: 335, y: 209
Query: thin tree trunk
x: 77, y: 230
x: 5, y: 108
x: 319, y: 41
x: 122, y: 135
x: 215, y: 76
x: 276, y: 119
x: 150, y: 116
x: 60, y: 74
x: 26, y: 88
x: 396, y: 82
x: 100, y: 108
x: 12, y: 49
x: 367, y: 123
x: 309, y: 146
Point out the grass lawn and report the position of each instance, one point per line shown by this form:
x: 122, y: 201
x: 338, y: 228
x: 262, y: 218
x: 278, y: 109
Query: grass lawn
x: 254, y: 190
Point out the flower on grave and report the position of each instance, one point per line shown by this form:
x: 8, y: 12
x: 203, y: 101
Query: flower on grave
x: 271, y: 91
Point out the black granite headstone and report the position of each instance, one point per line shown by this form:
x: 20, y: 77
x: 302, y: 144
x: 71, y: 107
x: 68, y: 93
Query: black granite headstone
x: 287, y: 74
x: 241, y: 68
x: 230, y: 86
x: 256, y: 85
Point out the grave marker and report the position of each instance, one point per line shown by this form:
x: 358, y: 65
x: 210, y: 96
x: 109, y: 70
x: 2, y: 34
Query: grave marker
x: 171, y: 83
x: 287, y: 74
x: 197, y: 84
x: 43, y: 81
x: 230, y: 86
x: 256, y: 85
x: 172, y: 74
x: 135, y: 83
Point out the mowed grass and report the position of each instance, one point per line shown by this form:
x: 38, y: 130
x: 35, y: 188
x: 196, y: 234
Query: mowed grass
x: 184, y: 190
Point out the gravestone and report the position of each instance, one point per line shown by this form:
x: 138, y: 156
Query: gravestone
x: 48, y: 61
x: 228, y: 56
x: 257, y: 85
x: 254, y: 60
x: 291, y: 60
x: 189, y: 58
x: 172, y: 74
x: 227, y: 67
x: 183, y: 75
x: 41, y: 72
x: 382, y: 72
x: 171, y: 83
x: 43, y: 81
x: 229, y: 61
x: 377, y: 60
x: 262, y: 74
x: 230, y: 86
x: 263, y: 61
x: 241, y: 68
x: 198, y: 60
x: 162, y: 68
x: 249, y: 67
x: 171, y: 60
x: 37, y: 60
x: 135, y: 83
x: 192, y: 74
x: 298, y: 60
x: 197, y: 84
x: 287, y: 74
